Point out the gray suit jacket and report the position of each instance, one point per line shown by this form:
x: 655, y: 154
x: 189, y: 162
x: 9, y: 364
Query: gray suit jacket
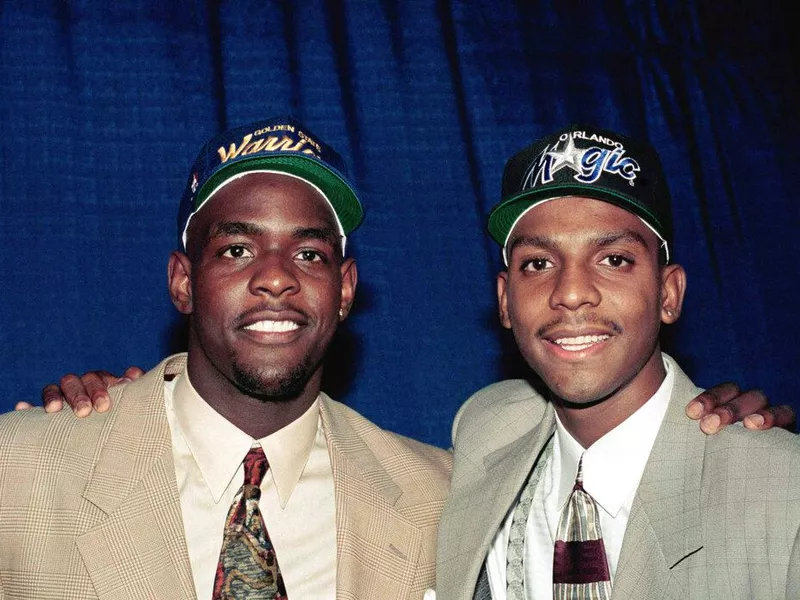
x: 89, y: 508
x: 713, y: 517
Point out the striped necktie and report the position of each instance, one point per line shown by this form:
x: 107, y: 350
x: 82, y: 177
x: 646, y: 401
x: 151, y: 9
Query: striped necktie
x: 248, y: 568
x: 580, y: 567
x: 515, y: 552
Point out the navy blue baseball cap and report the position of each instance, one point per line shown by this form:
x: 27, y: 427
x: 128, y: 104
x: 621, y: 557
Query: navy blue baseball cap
x: 275, y: 145
x: 582, y: 160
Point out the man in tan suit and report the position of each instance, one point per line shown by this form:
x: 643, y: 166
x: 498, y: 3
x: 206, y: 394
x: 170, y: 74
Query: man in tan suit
x: 586, y: 232
x: 133, y: 503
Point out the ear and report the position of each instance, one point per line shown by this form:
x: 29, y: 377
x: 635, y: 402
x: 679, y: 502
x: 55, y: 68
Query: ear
x: 179, y: 273
x: 349, y: 273
x: 673, y: 288
x: 502, y: 298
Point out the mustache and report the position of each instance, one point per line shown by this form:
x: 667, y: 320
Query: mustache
x: 579, y: 322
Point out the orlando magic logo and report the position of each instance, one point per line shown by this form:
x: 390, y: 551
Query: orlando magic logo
x: 587, y: 163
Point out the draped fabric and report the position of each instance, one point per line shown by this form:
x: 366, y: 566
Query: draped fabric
x: 104, y: 105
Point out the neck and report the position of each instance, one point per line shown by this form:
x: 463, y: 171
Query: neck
x: 588, y: 422
x: 257, y: 416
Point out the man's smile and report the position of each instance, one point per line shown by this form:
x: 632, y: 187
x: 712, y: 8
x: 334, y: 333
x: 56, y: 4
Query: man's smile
x: 268, y: 326
x: 273, y: 326
x: 581, y: 342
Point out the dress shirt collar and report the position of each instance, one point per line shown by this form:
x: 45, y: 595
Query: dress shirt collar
x: 614, y: 464
x: 219, y: 447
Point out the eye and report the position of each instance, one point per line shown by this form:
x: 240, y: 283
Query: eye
x: 307, y: 255
x: 236, y: 251
x: 616, y: 261
x: 536, y: 264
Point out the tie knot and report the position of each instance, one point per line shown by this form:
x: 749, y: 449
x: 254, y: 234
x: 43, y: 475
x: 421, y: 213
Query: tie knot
x: 255, y: 466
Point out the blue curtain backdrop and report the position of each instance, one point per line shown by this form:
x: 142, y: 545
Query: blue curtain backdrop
x: 104, y: 105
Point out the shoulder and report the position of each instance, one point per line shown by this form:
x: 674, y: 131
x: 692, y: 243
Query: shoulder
x: 46, y: 451
x: 767, y: 449
x: 734, y: 440
x: 503, y: 404
x: 753, y: 477
x: 35, y: 433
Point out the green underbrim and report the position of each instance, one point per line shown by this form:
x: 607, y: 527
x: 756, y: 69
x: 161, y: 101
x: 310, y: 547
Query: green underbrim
x: 342, y: 197
x: 503, y: 217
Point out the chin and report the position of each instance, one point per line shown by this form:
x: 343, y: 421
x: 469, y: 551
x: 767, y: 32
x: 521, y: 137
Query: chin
x: 576, y: 395
x: 272, y: 384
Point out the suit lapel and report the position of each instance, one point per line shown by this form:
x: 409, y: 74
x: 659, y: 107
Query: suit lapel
x: 377, y: 546
x: 139, y: 549
x: 663, y: 528
x: 477, y: 508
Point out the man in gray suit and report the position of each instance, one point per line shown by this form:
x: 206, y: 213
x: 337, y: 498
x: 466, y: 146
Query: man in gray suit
x: 586, y: 232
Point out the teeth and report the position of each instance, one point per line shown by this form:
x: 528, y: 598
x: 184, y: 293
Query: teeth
x: 581, y: 342
x: 273, y: 326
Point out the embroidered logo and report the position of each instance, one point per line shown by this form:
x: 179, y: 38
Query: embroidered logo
x: 588, y: 164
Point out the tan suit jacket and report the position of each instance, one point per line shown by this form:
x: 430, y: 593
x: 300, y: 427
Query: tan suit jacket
x: 89, y: 508
x: 713, y: 517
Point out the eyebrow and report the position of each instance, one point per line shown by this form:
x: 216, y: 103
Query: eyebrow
x: 627, y: 235
x: 226, y: 228
x: 323, y: 234
x: 538, y: 241
x: 608, y: 239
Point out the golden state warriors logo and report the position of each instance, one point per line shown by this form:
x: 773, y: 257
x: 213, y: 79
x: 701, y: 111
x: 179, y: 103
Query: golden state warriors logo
x: 588, y: 164
x: 288, y: 141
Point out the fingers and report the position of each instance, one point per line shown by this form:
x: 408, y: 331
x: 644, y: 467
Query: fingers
x: 777, y: 416
x: 52, y: 399
x: 133, y: 373
x: 22, y: 405
x: 76, y: 395
x: 706, y: 402
x: 95, y: 384
x: 106, y: 379
x: 746, y: 403
x: 85, y: 393
x: 750, y: 407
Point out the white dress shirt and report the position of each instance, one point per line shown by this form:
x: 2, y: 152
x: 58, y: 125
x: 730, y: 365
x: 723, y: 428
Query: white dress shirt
x: 297, y: 499
x: 612, y: 469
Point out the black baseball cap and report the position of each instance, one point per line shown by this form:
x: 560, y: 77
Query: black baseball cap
x: 583, y: 160
x: 278, y: 144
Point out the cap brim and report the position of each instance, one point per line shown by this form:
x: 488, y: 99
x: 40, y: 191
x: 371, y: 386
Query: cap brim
x: 337, y: 190
x: 504, y: 216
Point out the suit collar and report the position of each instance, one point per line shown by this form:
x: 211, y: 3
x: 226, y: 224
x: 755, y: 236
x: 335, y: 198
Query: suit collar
x: 141, y: 543
x: 495, y: 490
x: 510, y: 465
x: 665, y: 513
x: 368, y: 513
x: 347, y: 444
x: 138, y: 436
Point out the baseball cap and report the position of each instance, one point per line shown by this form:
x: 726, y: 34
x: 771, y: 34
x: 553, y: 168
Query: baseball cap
x: 275, y: 145
x: 583, y: 160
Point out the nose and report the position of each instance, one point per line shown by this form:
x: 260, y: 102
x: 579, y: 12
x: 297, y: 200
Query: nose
x: 275, y: 276
x: 574, y: 287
